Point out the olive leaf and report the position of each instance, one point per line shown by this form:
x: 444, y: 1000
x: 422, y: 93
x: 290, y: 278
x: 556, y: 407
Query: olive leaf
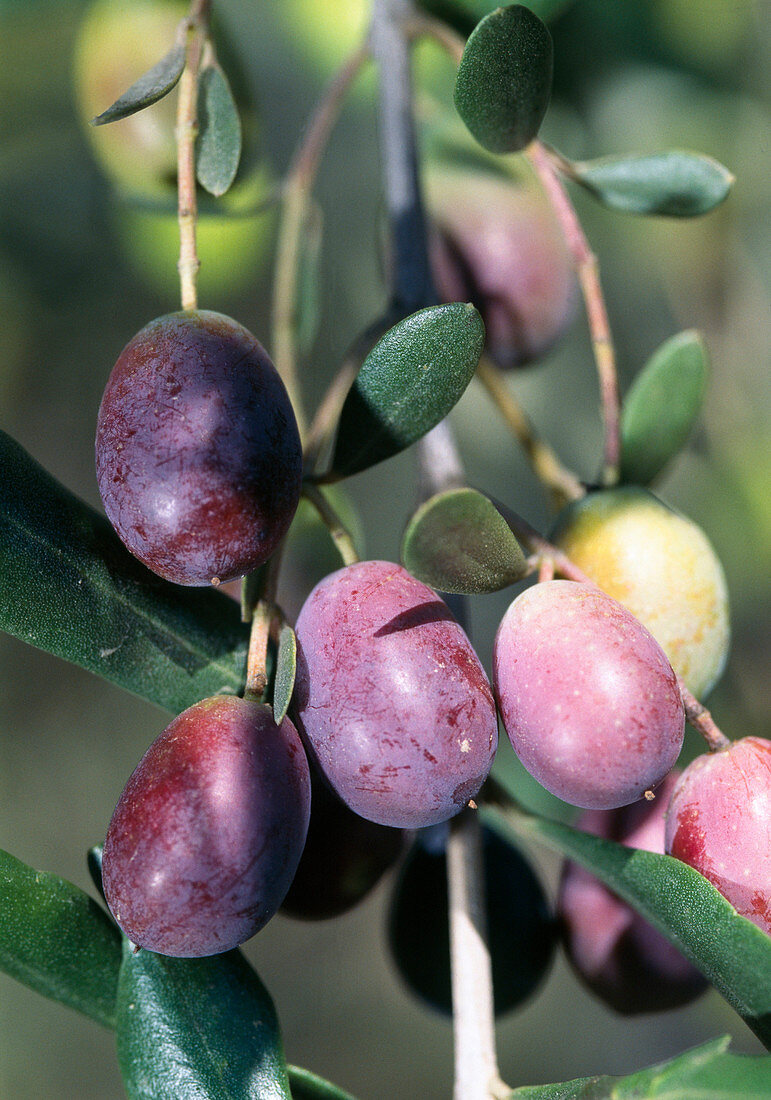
x: 152, y: 86
x: 411, y: 379
x: 504, y: 79
x: 218, y: 145
x: 661, y: 407
x: 674, y: 184
x: 286, y: 667
x: 459, y: 542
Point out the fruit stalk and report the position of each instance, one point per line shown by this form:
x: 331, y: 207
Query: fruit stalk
x: 186, y: 132
x: 597, y: 315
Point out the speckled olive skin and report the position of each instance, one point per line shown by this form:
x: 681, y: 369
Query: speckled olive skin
x: 209, y: 830
x: 198, y: 456
x: 587, y: 696
x: 719, y: 821
x: 390, y: 697
x: 662, y: 567
x: 615, y: 951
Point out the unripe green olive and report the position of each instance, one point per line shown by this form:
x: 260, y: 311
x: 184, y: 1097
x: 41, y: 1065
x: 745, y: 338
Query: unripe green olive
x: 662, y: 567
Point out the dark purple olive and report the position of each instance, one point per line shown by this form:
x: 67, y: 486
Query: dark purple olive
x: 208, y: 833
x: 198, y: 456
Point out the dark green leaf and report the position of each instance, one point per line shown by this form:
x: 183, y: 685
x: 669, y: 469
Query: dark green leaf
x: 675, y: 184
x: 709, y: 1072
x: 154, y: 85
x: 458, y: 541
x: 307, y: 1086
x: 69, y: 586
x: 504, y: 79
x: 57, y: 940
x: 197, y: 1028
x: 286, y: 666
x: 662, y: 406
x: 733, y: 953
x: 410, y: 381
x: 218, y: 146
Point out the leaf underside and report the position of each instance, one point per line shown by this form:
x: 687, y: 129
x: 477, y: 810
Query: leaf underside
x: 673, y: 184
x: 218, y: 145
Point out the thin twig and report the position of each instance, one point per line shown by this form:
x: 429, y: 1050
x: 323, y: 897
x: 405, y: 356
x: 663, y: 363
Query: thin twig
x: 195, y: 30
x: 702, y: 721
x: 338, y: 532
x: 565, y: 486
x: 296, y: 201
x: 599, y: 327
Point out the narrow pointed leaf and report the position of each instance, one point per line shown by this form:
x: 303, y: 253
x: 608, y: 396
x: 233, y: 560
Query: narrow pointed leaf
x: 218, y: 146
x: 197, y: 1027
x: 662, y: 406
x: 410, y: 381
x: 674, y: 184
x: 504, y: 79
x: 56, y: 939
x: 458, y: 541
x: 154, y: 85
x: 307, y: 1086
x: 286, y: 667
x: 710, y: 1072
x: 733, y: 953
x: 69, y: 586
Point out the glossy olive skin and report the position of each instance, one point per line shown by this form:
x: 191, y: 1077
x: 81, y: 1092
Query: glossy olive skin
x: 209, y: 830
x: 390, y: 697
x: 521, y: 928
x: 344, y: 858
x: 198, y: 456
x: 622, y: 958
x: 588, y: 698
x: 719, y: 821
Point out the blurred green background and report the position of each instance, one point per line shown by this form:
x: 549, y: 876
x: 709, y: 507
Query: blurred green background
x: 79, y: 275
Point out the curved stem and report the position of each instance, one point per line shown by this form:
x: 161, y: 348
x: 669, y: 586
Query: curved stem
x: 195, y: 29
x: 599, y: 327
x: 701, y: 719
x: 296, y: 202
x: 565, y: 486
x: 337, y: 530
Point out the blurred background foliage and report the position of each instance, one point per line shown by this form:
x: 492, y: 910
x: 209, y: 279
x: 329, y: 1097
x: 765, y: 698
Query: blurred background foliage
x: 83, y: 267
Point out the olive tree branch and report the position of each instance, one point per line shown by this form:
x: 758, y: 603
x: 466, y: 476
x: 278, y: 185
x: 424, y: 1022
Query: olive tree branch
x: 476, y: 1070
x: 195, y: 29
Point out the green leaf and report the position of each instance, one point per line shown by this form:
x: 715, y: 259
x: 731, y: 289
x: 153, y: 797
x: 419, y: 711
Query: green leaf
x: 733, y: 953
x: 57, y: 940
x: 218, y: 146
x: 307, y: 1086
x: 662, y: 406
x: 674, y: 184
x: 709, y: 1072
x: 410, y: 381
x: 504, y: 79
x: 70, y: 587
x: 154, y: 85
x: 286, y: 667
x: 458, y: 541
x: 197, y: 1028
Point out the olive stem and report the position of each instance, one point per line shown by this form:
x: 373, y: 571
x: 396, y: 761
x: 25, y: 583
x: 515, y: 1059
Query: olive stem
x: 594, y: 300
x: 337, y: 530
x: 256, y: 667
x: 195, y: 29
x: 565, y: 486
x: 296, y: 202
x: 700, y: 718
